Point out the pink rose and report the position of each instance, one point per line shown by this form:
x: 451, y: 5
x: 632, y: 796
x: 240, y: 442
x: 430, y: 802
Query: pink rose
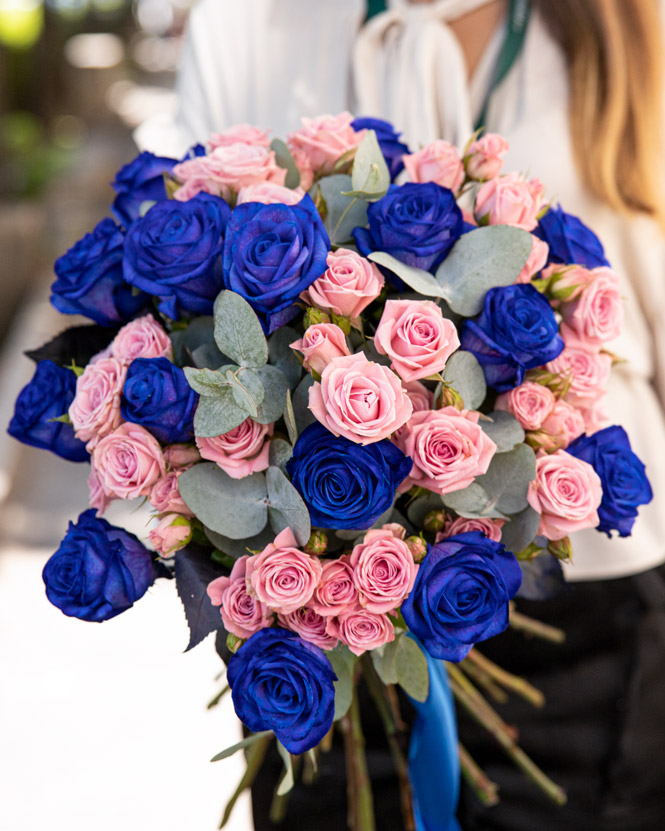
x: 530, y: 403
x: 536, y: 261
x: 421, y: 399
x: 360, y: 400
x: 597, y: 314
x: 320, y: 344
x: 564, y: 424
x: 491, y: 528
x: 323, y: 140
x: 347, y: 287
x: 95, y: 410
x: 394, y: 529
x: 566, y: 493
x: 270, y: 194
x: 361, y: 630
x: 98, y: 497
x: 484, y: 156
x: 181, y: 456
x: 193, y: 186
x: 241, y: 451
x: 310, y: 625
x: 416, y: 336
x: 242, y: 614
x: 588, y: 372
x: 141, y: 338
x: 595, y: 415
x: 383, y: 571
x: 240, y: 134
x: 510, y: 200
x: 567, y: 282
x: 439, y: 161
x: 336, y: 592
x: 303, y: 162
x: 173, y: 533
x: 165, y: 495
x: 128, y: 462
x: 448, y: 449
x: 282, y: 576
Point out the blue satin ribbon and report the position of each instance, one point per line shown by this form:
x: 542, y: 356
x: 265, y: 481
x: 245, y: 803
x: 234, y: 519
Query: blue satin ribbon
x: 434, y: 767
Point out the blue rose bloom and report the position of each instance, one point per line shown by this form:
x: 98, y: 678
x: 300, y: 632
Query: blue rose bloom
x: 282, y: 683
x: 174, y: 252
x: 417, y: 224
x: 389, y: 141
x: 99, y: 570
x: 461, y: 594
x: 142, y: 180
x: 47, y: 396
x: 271, y: 254
x: 516, y: 331
x: 156, y: 395
x: 343, y: 484
x: 90, y: 280
x: 622, y: 474
x: 570, y: 240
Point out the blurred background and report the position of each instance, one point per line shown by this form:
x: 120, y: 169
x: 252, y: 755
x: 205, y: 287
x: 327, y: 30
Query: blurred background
x: 106, y: 725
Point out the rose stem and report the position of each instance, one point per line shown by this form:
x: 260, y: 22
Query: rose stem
x: 483, y: 787
x: 483, y: 716
x: 380, y: 692
x: 361, y: 806
x: 481, y: 704
x: 326, y: 742
x: 484, y: 680
x: 511, y: 682
x: 215, y: 701
x: 255, y: 754
x: 393, y: 700
x: 280, y: 802
x: 534, y: 627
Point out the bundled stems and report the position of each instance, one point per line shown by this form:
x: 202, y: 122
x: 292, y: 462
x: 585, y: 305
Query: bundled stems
x: 359, y: 789
x: 254, y: 755
x: 483, y: 787
x: 530, y: 626
x: 518, y: 685
x: 484, y: 680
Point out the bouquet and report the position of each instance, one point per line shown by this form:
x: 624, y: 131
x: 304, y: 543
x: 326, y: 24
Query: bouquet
x: 363, y: 413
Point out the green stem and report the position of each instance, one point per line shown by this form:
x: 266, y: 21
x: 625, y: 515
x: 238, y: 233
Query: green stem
x: 485, y: 681
x: 482, y: 785
x: 361, y: 805
x: 215, y: 701
x: 530, y: 626
x: 255, y: 755
x: 511, y: 682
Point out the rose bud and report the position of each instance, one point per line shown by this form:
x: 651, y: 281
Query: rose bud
x: 317, y: 544
x: 562, y: 549
x: 314, y: 316
x: 173, y: 533
x: 418, y: 548
x: 434, y: 521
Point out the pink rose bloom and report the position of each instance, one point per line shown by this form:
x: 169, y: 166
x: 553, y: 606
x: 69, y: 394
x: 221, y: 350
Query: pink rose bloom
x: 241, y: 451
x: 240, y: 134
x: 193, y: 186
x: 421, y: 398
x: 491, y: 528
x: 141, y: 338
x: 347, y: 287
x: 595, y: 415
x: 303, y: 162
x: 587, y: 370
x: 530, y: 403
x: 323, y: 140
x: 417, y: 338
x: 361, y: 630
x: 383, y: 570
x: 282, y: 576
x: 568, y: 281
x: 320, y: 344
x: 101, y: 356
x: 394, y: 529
x: 360, y: 400
x: 336, y: 592
x: 536, y: 261
x: 510, y: 200
x: 95, y: 410
x: 439, y: 162
x: 564, y: 424
x: 310, y: 625
x: 242, y: 614
x: 566, y: 493
x: 270, y: 194
x: 448, y: 449
x: 173, y: 533
x: 181, y: 456
x: 165, y: 495
x: 128, y: 462
x: 597, y: 314
x: 484, y: 156
x: 98, y: 497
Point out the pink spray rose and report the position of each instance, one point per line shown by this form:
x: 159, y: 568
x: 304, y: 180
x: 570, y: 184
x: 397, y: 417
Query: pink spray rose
x: 310, y: 625
x: 484, y: 157
x: 416, y: 337
x: 165, y: 495
x: 320, y: 344
x: 587, y: 370
x: 491, y: 528
x: 564, y: 424
x: 95, y: 410
x: 181, y: 456
x: 530, y: 403
x: 242, y: 614
x: 566, y: 493
x: 240, y: 134
x: 510, y: 200
x: 439, y: 162
x: 360, y: 400
x: 567, y: 282
x: 421, y: 399
x: 448, y: 449
x: 362, y: 630
x: 241, y: 451
x: 383, y: 570
x: 269, y: 194
x: 347, y: 287
x: 282, y: 576
x: 173, y: 533
x: 536, y: 261
x: 336, y: 592
x: 597, y: 314
x: 141, y: 338
x: 321, y: 141
x: 128, y: 462
x: 98, y: 497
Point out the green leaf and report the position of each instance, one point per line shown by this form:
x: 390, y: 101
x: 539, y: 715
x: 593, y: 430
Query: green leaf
x: 241, y: 547
x: 290, y: 419
x: 520, y: 529
x: 247, y: 389
x: 208, y: 356
x: 287, y: 781
x: 186, y: 341
x: 385, y: 661
x: 209, y: 382
x: 241, y: 745
x: 421, y: 506
x: 283, y: 357
x: 238, y: 332
x: 342, y: 661
x: 417, y: 278
x: 284, y: 159
x: 236, y: 508
x: 218, y: 415
x: 466, y: 377
x: 275, y: 388
x: 286, y: 507
x: 370, y: 176
x: 343, y: 213
x: 280, y: 453
x: 481, y: 260
x: 469, y: 501
x: 411, y: 666
x: 304, y: 416
x: 504, y: 430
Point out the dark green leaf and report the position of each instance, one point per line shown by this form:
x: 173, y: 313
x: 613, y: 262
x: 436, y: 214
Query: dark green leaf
x: 77, y: 345
x: 520, y: 529
x: 304, y: 416
x: 193, y: 571
x: 284, y: 159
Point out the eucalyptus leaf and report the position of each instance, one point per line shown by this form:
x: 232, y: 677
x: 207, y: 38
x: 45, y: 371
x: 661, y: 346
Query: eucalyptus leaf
x: 290, y: 419
x: 421, y: 506
x: 280, y: 452
x: 342, y: 661
x: 238, y: 332
x: 209, y: 382
x: 469, y: 501
x: 304, y: 416
x: 504, y: 430
x: 286, y: 507
x: 343, y: 213
x: 247, y: 389
x: 370, y: 176
x: 208, y: 356
x: 283, y: 357
x: 217, y: 415
x: 419, y: 279
x: 284, y: 159
x: 385, y: 661
x: 186, y: 341
x: 520, y: 530
x: 466, y: 377
x: 287, y: 781
x: 240, y: 745
x: 275, y: 388
x: 241, y: 547
x: 412, y: 671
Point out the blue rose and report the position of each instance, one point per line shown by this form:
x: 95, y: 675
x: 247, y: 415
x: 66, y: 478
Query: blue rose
x: 271, y: 254
x: 282, y: 683
x: 47, y: 396
x: 90, y: 280
x: 343, y: 484
x: 570, y: 240
x: 99, y: 570
x: 461, y: 594
x: 142, y: 180
x: 156, y: 395
x: 174, y: 252
x: 516, y: 331
x: 417, y: 224
x: 622, y: 474
x: 389, y: 141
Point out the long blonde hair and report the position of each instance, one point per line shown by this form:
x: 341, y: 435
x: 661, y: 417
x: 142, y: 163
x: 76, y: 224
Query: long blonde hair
x: 614, y: 51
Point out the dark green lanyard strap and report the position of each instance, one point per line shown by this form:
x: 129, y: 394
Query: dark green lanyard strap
x: 375, y: 7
